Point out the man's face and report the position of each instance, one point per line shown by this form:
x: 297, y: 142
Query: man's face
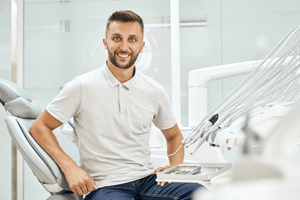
x: 124, y: 42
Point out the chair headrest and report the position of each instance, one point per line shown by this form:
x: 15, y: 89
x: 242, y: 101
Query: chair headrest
x: 17, y: 101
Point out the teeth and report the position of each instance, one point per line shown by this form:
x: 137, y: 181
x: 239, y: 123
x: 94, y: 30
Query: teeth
x: 123, y: 56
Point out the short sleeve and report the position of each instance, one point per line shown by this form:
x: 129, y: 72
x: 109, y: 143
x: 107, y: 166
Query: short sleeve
x: 66, y: 104
x: 164, y: 118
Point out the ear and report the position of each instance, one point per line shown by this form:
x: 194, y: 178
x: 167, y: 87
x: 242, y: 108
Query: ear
x: 105, y: 43
x: 141, y: 50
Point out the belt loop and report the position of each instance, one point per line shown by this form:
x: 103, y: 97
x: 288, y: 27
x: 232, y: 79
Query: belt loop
x: 133, y: 183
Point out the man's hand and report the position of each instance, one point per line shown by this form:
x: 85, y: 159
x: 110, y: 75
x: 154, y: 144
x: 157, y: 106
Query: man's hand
x: 79, y: 181
x: 160, y: 169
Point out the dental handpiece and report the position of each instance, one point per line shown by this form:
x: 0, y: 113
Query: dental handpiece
x: 196, y: 133
x: 210, y: 122
x: 203, y: 139
x: 186, y: 142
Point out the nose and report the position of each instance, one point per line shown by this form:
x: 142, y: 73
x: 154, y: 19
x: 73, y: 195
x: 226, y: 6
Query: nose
x: 124, y: 45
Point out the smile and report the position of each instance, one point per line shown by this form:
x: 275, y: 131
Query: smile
x: 123, y: 55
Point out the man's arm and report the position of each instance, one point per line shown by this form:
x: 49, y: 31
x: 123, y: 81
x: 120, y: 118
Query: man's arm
x: 41, y: 130
x: 173, y: 137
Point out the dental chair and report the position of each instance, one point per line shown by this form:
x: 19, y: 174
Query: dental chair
x: 22, y: 111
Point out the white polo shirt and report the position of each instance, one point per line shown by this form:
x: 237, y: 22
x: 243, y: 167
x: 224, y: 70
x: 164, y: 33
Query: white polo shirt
x: 113, y: 122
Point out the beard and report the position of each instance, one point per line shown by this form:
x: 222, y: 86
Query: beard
x: 113, y: 60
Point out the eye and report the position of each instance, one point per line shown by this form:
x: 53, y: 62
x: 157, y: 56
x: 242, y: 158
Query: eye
x: 132, y: 39
x: 117, y: 38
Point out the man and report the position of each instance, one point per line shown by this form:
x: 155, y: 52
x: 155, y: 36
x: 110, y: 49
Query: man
x: 113, y: 108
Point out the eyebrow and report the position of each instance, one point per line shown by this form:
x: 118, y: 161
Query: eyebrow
x: 117, y: 34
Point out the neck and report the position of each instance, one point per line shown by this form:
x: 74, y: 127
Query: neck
x: 122, y: 75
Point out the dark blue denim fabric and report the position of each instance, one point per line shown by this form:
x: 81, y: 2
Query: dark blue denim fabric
x: 145, y: 189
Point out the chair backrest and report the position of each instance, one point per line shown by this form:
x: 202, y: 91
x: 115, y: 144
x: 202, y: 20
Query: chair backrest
x: 23, y: 112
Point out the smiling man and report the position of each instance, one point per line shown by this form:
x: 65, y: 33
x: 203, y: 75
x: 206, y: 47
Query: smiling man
x: 126, y: 51
x: 113, y: 108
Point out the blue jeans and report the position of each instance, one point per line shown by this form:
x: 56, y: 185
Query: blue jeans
x: 145, y: 189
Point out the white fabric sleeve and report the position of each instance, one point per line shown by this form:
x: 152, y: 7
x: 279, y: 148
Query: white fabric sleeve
x: 164, y: 118
x: 67, y: 103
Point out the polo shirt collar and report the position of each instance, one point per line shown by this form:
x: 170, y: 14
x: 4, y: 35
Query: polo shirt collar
x: 130, y: 83
x: 112, y: 81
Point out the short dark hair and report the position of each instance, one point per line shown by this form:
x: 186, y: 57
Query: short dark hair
x: 125, y: 16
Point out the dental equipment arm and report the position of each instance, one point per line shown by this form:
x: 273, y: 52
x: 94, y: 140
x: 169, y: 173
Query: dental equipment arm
x: 273, y: 80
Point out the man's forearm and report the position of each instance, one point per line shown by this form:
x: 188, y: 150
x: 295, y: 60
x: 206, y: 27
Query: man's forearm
x: 174, y: 137
x: 173, y: 145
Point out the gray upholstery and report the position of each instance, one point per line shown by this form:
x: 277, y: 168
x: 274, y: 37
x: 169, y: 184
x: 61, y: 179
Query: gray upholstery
x: 10, y: 91
x: 35, y: 162
x: 24, y: 111
x: 17, y: 101
x: 23, y: 108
